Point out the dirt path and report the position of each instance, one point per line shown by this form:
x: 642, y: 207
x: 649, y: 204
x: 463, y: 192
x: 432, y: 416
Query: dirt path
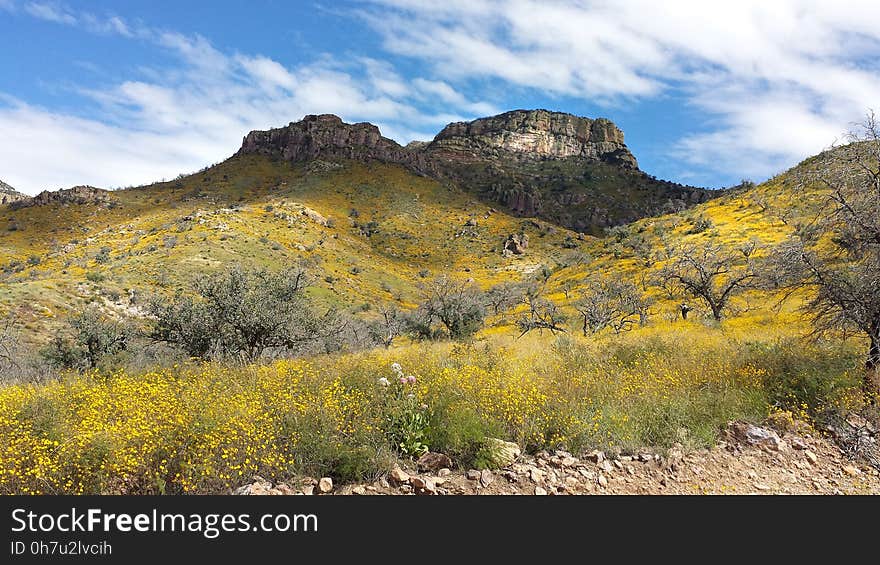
x: 750, y: 460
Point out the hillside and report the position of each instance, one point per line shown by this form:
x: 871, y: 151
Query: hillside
x: 372, y: 222
x: 371, y: 219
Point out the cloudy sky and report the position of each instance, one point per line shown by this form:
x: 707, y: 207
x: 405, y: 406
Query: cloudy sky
x: 708, y: 93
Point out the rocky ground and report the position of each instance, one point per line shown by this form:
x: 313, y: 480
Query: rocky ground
x: 748, y: 460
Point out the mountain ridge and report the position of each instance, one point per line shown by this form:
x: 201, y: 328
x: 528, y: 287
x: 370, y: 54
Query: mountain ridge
x: 566, y: 169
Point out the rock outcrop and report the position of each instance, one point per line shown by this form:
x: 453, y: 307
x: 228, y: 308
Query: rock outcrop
x: 570, y: 170
x: 325, y: 136
x: 533, y: 134
x: 8, y: 195
x: 74, y: 195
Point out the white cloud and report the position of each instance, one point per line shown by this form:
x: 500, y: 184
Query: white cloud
x: 176, y: 120
x: 777, y: 79
x: 50, y: 12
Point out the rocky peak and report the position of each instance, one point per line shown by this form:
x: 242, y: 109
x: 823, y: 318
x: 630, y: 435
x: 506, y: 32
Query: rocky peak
x: 536, y: 134
x: 9, y: 195
x: 74, y: 195
x: 325, y: 135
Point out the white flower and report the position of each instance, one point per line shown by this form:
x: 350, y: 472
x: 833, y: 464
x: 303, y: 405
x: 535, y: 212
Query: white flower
x: 384, y: 382
x: 397, y: 369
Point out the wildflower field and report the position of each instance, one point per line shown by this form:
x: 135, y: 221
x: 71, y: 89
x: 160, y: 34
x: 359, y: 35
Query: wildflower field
x: 208, y: 428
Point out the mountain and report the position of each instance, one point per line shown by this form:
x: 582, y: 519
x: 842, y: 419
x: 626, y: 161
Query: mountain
x: 9, y: 195
x: 569, y: 170
x: 372, y: 220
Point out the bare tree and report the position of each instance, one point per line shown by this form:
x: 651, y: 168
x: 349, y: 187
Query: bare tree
x: 611, y: 304
x: 9, y: 342
x: 456, y: 305
x: 542, y: 314
x: 391, y: 324
x: 710, y: 273
x: 836, y: 253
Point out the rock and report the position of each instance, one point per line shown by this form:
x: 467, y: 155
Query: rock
x: 325, y: 485
x: 811, y: 457
x: 359, y: 490
x: 606, y: 466
x: 536, y: 475
x: 284, y: 489
x: 569, y: 461
x: 432, y: 462
x: 315, y: 217
x: 473, y: 475
x: 540, y: 491
x: 595, y: 457
x: 755, y: 435
x: 515, y: 244
x: 602, y: 481
x: 444, y: 473
x: 398, y: 476
x: 8, y: 195
x: 851, y: 470
x: 502, y: 453
x: 75, y: 195
x: 796, y: 442
x: 308, y: 490
x: 423, y: 485
x: 486, y: 477
x: 761, y: 486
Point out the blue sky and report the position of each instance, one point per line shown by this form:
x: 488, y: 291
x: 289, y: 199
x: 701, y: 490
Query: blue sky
x: 122, y: 93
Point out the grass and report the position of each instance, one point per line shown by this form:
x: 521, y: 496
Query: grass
x: 209, y: 428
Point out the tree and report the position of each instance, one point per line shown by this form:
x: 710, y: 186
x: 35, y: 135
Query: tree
x: 457, y: 305
x: 611, y: 303
x: 541, y: 314
x: 504, y: 296
x: 710, y: 273
x: 90, y: 338
x: 391, y: 324
x: 836, y: 254
x: 242, y: 313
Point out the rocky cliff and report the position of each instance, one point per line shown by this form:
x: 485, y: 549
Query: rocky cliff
x: 74, y: 195
x: 534, y: 134
x: 567, y: 169
x: 8, y: 195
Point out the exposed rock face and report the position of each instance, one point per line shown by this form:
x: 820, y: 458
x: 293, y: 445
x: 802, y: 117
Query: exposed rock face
x: 534, y: 134
x: 570, y: 170
x: 324, y: 136
x: 75, y: 195
x: 9, y: 195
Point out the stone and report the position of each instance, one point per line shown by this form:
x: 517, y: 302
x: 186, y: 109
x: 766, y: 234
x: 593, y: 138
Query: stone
x: 398, y: 476
x: 595, y: 456
x: 602, y: 481
x: 359, y: 490
x: 325, y: 485
x: 486, y: 477
x: 308, y: 490
x: 433, y: 462
x: 284, y: 489
x: 811, y: 457
x: 606, y: 466
x: 540, y: 491
x: 515, y: 244
x: 444, y: 472
x: 797, y: 442
x: 423, y: 485
x: 755, y: 435
x: 473, y: 475
x: 851, y: 470
x: 502, y: 453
